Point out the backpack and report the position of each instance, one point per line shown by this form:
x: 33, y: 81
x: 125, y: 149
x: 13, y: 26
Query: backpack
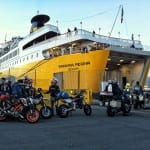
x: 17, y: 90
x: 63, y: 95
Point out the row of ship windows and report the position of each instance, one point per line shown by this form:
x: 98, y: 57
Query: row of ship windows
x: 4, y: 66
x: 9, y: 56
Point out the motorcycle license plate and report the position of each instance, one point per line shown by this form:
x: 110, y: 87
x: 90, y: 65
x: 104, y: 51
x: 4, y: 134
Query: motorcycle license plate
x: 115, y: 103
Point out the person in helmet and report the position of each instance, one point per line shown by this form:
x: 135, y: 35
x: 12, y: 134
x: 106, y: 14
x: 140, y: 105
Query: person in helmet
x: 4, y: 87
x: 108, y: 87
x: 28, y: 86
x: 114, y: 88
x: 128, y: 87
x: 137, y: 89
x: 53, y: 90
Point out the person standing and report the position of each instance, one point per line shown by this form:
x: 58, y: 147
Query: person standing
x: 5, y: 88
x: 137, y: 89
x: 5, y: 91
x: 53, y: 90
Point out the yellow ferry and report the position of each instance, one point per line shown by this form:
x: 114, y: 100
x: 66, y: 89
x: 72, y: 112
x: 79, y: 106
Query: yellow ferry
x: 77, y: 58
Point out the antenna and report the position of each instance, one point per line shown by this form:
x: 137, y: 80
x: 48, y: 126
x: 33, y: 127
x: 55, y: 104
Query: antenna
x: 115, y: 20
x: 5, y: 37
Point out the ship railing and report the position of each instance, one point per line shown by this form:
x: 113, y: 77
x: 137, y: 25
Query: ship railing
x: 146, y: 48
x: 98, y: 38
x: 113, y: 40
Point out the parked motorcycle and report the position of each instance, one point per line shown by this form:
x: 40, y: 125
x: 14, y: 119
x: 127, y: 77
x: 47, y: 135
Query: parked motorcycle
x: 72, y: 103
x: 22, y: 108
x: 119, y: 104
x: 42, y: 104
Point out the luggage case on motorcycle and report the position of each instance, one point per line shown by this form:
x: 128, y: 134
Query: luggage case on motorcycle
x: 115, y: 103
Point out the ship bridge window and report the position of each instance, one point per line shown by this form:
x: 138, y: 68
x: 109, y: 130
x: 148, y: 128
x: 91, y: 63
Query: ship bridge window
x: 40, y: 39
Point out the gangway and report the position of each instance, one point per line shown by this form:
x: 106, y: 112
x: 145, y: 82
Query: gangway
x: 145, y: 72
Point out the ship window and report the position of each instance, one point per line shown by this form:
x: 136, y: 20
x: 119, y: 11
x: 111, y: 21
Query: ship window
x: 23, y: 59
x: 7, y: 57
x: 36, y: 54
x: 10, y: 55
x: 20, y: 60
x: 40, y: 39
x: 27, y: 58
x: 15, y: 53
x: 31, y: 56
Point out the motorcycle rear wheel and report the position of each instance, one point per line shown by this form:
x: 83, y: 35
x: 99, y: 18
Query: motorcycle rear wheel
x: 110, y: 112
x: 87, y: 110
x: 62, y: 111
x: 32, y: 117
x: 46, y: 112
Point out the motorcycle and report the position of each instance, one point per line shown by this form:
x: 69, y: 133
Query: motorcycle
x: 42, y: 104
x: 21, y: 108
x: 71, y: 104
x: 119, y: 104
x: 138, y: 100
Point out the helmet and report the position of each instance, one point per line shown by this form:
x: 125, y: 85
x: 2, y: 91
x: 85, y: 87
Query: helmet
x: 109, y: 81
x: 127, y: 85
x: 54, y: 80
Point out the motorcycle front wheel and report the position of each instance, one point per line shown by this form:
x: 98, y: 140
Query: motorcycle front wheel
x: 2, y: 117
x: 32, y: 116
x: 62, y: 111
x: 126, y: 109
x: 46, y: 112
x: 87, y: 110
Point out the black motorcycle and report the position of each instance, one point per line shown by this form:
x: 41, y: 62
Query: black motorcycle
x: 119, y: 104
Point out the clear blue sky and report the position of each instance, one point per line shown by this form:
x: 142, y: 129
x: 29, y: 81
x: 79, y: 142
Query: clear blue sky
x: 15, y: 16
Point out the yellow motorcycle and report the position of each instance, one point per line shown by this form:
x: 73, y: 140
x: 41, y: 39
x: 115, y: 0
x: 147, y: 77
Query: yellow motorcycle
x: 67, y: 104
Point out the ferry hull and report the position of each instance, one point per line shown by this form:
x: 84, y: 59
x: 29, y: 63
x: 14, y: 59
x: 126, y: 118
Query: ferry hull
x: 75, y: 71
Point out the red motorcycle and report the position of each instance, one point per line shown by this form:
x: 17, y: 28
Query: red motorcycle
x: 21, y: 108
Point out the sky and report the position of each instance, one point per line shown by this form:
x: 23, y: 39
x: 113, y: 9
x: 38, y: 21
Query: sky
x: 97, y: 15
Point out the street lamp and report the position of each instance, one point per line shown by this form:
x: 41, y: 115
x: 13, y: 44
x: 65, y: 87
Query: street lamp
x: 99, y: 30
x: 81, y: 25
x: 119, y: 35
x: 57, y: 23
x: 139, y: 36
x: 57, y: 26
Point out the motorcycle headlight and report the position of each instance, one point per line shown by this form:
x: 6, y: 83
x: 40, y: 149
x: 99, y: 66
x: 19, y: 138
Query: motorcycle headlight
x: 23, y: 100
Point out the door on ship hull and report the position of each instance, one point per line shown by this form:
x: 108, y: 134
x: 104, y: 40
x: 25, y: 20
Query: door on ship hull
x: 59, y: 76
x: 68, y: 80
